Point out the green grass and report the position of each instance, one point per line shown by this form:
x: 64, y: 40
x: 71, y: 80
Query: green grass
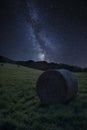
x: 20, y: 108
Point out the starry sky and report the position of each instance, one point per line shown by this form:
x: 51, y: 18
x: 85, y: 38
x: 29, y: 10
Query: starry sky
x: 50, y: 30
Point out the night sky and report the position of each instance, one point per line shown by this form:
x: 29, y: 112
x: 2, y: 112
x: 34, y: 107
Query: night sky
x: 51, y: 30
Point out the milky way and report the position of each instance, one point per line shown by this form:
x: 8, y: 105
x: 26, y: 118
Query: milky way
x: 31, y: 17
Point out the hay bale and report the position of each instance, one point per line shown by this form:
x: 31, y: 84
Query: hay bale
x: 56, y: 86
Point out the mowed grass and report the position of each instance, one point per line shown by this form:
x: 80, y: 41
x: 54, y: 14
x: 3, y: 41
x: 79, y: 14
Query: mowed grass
x: 20, y: 107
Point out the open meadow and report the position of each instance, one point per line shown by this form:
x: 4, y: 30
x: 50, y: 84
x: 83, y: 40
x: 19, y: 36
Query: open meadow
x: 20, y: 107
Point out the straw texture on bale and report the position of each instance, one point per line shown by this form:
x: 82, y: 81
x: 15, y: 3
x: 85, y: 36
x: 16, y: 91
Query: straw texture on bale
x: 56, y: 86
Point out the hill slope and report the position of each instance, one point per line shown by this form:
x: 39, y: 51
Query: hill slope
x: 20, y: 108
x: 42, y: 65
x: 4, y: 59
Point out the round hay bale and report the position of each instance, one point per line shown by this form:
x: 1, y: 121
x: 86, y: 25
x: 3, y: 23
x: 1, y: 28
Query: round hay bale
x: 56, y: 86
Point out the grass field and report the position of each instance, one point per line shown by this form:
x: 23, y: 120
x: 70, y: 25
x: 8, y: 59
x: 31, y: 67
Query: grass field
x: 20, y: 108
